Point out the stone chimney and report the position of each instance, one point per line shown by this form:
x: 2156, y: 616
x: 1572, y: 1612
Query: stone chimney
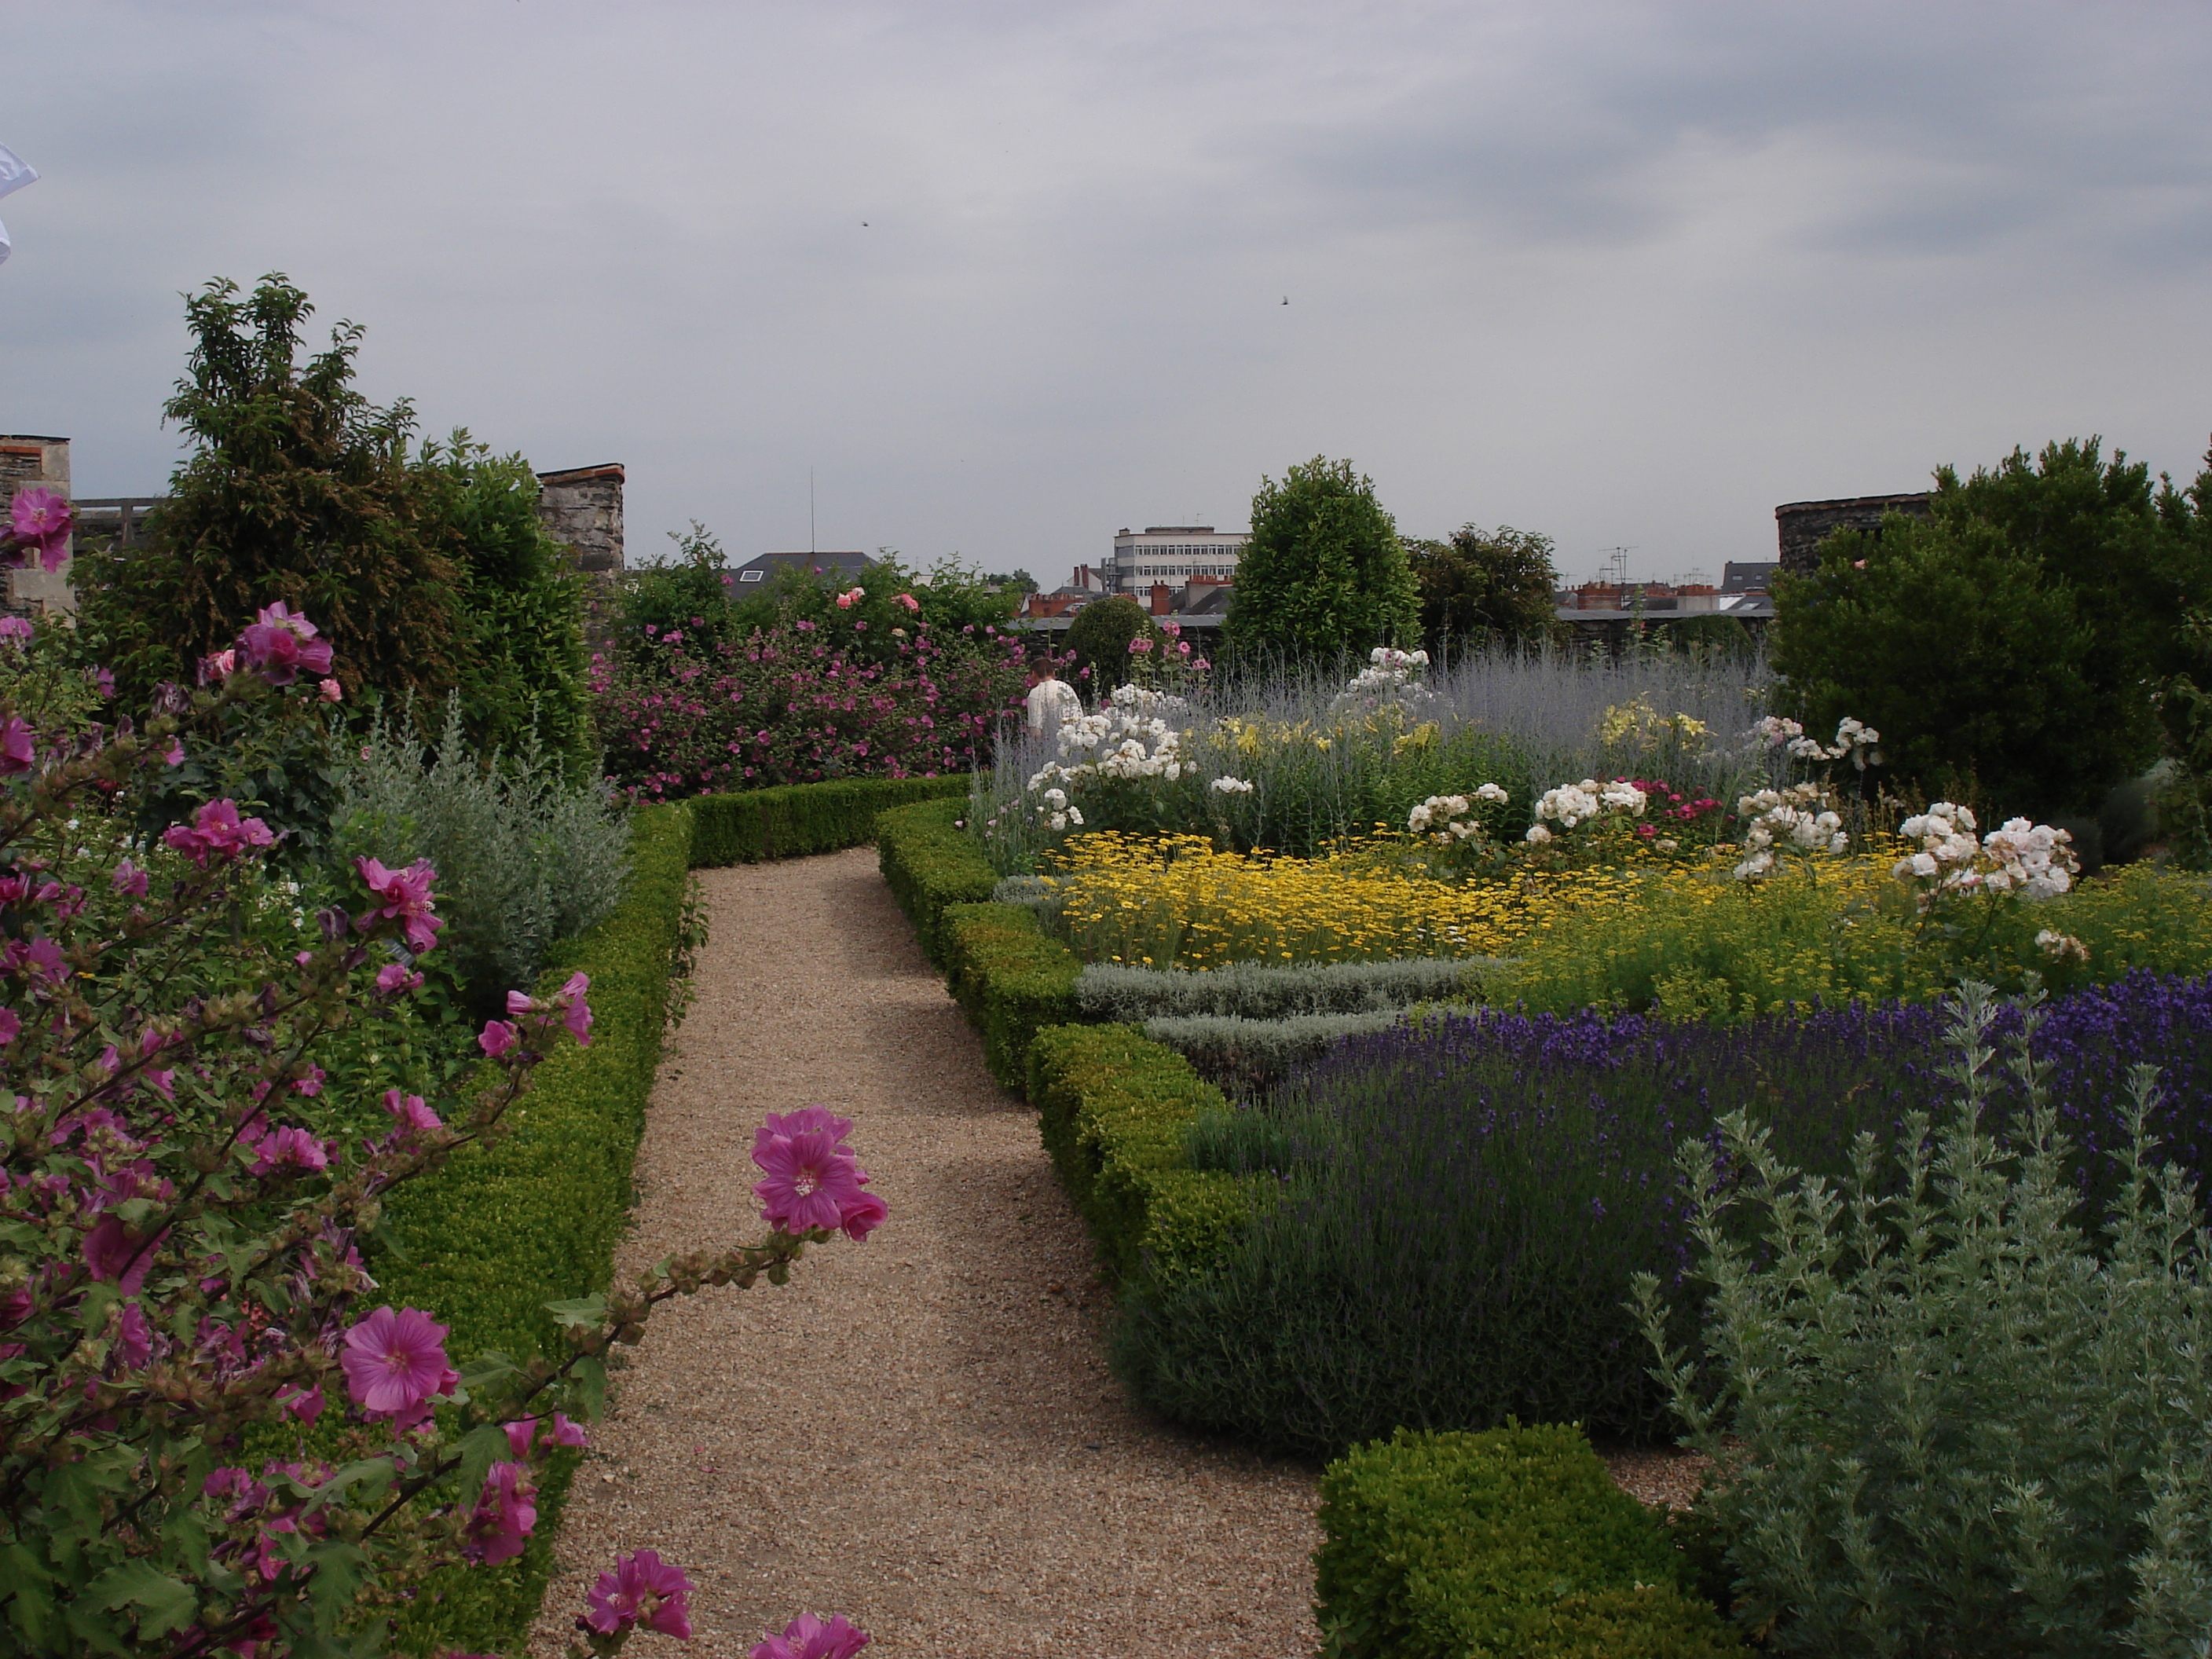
x: 582, y: 509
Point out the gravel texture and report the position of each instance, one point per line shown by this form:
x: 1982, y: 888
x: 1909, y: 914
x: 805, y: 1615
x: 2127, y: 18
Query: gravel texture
x: 918, y: 1432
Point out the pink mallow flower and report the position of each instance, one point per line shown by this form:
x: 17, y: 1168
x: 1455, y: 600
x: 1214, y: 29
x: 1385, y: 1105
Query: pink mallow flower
x: 809, y: 1638
x: 19, y: 746
x: 16, y: 630
x: 128, y: 878
x: 642, y: 1590
x: 395, y: 1362
x: 410, y: 1112
x: 498, y: 1038
x: 217, y: 835
x: 504, y: 1515
x: 812, y: 1178
x: 289, y: 1148
x: 396, y: 978
x: 281, y: 643
x: 39, y: 520
x: 405, y: 894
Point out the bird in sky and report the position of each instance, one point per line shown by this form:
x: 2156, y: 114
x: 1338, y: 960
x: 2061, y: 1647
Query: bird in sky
x: 1286, y: 298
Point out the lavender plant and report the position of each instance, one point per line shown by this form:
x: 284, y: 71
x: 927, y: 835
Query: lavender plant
x: 1945, y: 1415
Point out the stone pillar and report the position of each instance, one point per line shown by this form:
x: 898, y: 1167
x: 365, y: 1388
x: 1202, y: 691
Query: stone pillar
x: 582, y: 509
x: 28, y: 462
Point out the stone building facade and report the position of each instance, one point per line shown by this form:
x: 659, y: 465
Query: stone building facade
x: 1801, y: 525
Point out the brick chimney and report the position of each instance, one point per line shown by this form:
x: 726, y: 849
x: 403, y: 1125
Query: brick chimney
x: 1159, y: 598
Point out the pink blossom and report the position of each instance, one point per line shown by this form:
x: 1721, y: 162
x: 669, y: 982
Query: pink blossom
x: 504, y: 1514
x: 519, y: 1434
x: 280, y: 643
x: 405, y: 894
x: 498, y: 1038
x: 519, y: 1003
x: 217, y: 834
x: 861, y: 1216
x: 289, y: 1148
x: 410, y: 1112
x: 219, y: 666
x: 113, y: 1252
x: 395, y: 1362
x: 575, y: 1012
x: 134, y: 1337
x: 810, y: 1180
x: 331, y: 690
x: 642, y: 1590
x: 909, y: 601
x: 809, y: 1638
x: 19, y: 749
x: 567, y: 1433
x: 174, y: 754
x: 128, y: 878
x: 11, y: 1023
x: 18, y: 630
x: 40, y: 520
x: 304, y: 1403
x: 395, y: 978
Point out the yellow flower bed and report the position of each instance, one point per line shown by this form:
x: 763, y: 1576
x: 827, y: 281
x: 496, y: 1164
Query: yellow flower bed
x: 1173, y: 901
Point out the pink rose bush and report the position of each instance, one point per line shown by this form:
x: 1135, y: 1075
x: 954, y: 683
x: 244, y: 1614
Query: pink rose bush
x: 216, y: 1437
x: 800, y: 704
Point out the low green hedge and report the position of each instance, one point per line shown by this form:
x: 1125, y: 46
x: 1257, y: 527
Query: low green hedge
x: 796, y: 819
x: 929, y: 862
x: 1010, y: 978
x: 1511, y: 1544
x: 1114, y: 1110
x: 503, y: 1230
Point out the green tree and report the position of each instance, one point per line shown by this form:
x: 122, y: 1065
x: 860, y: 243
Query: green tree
x: 1098, y: 640
x: 2045, y: 709
x: 1325, y: 572
x: 1485, y: 587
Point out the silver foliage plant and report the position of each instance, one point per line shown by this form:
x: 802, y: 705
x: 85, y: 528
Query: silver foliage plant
x: 1254, y: 991
x: 1943, y: 1416
x: 525, y: 857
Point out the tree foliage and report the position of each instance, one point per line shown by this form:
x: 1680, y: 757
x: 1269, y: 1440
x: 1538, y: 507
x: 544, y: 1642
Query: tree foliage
x: 1325, y: 572
x: 1485, y: 587
x: 2010, y: 647
x: 1098, y: 642
x: 426, y: 571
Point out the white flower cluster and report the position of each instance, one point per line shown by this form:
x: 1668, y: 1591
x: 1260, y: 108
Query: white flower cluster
x: 1390, y: 677
x: 1127, y: 738
x: 1445, y: 818
x: 1228, y: 786
x: 1571, y: 803
x: 2034, y: 860
x: 1797, y: 817
x: 2062, y: 947
x: 1854, y: 741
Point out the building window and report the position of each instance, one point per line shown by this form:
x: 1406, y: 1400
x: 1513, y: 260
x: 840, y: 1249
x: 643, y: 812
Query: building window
x: 750, y: 576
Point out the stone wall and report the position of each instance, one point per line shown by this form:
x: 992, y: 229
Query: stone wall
x: 582, y: 509
x: 1801, y: 525
x: 29, y: 462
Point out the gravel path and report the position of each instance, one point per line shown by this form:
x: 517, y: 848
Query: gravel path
x: 918, y: 1432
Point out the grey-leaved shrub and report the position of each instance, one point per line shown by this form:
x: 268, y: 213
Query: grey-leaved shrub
x: 525, y: 857
x: 1944, y: 1417
x: 1259, y: 991
x: 1243, y: 1055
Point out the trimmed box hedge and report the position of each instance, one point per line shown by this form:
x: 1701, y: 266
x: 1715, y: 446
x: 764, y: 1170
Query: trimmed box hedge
x: 929, y: 862
x: 1114, y: 1108
x: 501, y: 1231
x: 797, y: 819
x: 1013, y: 981
x: 1511, y: 1544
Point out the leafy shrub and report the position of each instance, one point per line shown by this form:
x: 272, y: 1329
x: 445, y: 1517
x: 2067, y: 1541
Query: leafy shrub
x: 1325, y: 570
x: 1098, y: 641
x: 801, y: 702
x: 2011, y: 1455
x: 1245, y: 1056
x: 929, y: 862
x: 1114, y: 1110
x: 799, y: 819
x: 1262, y: 991
x: 1486, y: 586
x: 1511, y: 1542
x: 525, y: 857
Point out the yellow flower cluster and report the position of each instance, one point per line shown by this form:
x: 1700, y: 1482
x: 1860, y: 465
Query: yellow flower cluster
x: 1173, y: 901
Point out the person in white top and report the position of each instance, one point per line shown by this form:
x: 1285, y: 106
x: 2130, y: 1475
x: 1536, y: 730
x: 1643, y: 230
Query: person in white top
x: 1051, y: 700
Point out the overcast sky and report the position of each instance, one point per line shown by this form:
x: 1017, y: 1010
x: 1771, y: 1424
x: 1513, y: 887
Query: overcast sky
x: 1010, y: 277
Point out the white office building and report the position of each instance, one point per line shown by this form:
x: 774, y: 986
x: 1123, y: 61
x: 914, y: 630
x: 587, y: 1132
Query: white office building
x: 1174, y: 553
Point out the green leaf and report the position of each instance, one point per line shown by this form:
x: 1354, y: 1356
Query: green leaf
x: 584, y: 1310
x: 489, y: 1366
x: 480, y: 1449
x: 589, y: 1379
x: 166, y: 1602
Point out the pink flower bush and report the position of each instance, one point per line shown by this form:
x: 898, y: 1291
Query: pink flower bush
x: 217, y: 835
x: 812, y: 1181
x: 809, y: 1638
x: 642, y: 1591
x: 405, y: 895
x: 281, y: 644
x: 395, y: 1364
x: 799, y: 704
